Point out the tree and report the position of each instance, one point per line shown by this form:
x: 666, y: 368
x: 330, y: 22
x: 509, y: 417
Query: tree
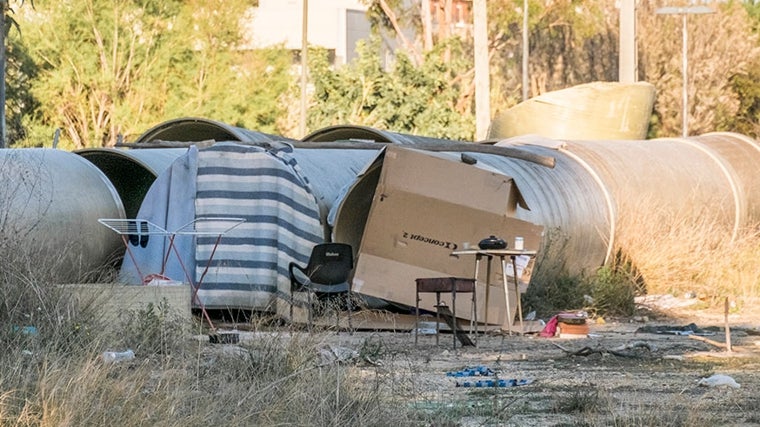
x: 574, y: 42
x: 405, y: 98
x: 20, y: 73
x: 746, y: 87
x: 746, y: 120
x: 137, y: 63
x: 17, y: 69
x: 721, y: 45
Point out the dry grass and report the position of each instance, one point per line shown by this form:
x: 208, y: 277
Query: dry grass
x: 56, y: 376
x: 279, y: 378
x: 690, y: 252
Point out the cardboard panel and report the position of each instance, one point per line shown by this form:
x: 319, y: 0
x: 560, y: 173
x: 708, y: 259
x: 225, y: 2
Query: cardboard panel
x: 415, y: 224
x: 395, y: 281
x: 446, y: 180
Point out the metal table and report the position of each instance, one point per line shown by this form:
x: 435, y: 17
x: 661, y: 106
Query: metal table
x: 502, y: 254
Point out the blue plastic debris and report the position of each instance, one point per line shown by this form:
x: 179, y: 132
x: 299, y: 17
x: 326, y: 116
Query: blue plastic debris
x: 494, y: 383
x: 25, y: 330
x: 476, y: 371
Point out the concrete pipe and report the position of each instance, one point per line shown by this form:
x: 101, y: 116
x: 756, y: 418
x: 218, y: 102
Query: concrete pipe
x: 131, y: 172
x: 50, y: 203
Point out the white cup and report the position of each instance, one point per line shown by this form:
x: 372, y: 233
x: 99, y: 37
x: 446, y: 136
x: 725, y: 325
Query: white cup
x: 519, y: 244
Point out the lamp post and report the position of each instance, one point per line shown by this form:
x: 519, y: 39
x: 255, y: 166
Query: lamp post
x: 525, y: 51
x: 627, y: 42
x: 304, y: 63
x: 482, y: 74
x: 684, y: 12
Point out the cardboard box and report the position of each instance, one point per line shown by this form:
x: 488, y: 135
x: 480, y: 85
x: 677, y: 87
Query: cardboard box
x: 425, y: 207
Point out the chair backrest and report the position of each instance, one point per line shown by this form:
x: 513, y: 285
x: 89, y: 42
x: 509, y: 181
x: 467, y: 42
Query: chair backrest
x: 330, y: 263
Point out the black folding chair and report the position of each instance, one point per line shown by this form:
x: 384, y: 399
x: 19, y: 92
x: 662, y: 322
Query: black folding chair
x: 326, y: 275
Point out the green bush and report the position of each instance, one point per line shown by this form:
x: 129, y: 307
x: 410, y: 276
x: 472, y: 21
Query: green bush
x: 154, y: 329
x: 563, y: 293
x: 613, y: 292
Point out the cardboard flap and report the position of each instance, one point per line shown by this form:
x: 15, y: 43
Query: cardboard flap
x: 439, y: 178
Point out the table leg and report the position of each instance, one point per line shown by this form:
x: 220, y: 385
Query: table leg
x: 488, y: 288
x: 517, y: 294
x: 509, y: 318
x: 437, y: 317
x: 454, y: 313
x: 477, y: 270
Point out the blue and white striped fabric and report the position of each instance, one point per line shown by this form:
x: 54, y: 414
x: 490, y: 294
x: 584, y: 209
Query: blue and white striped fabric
x: 250, y: 266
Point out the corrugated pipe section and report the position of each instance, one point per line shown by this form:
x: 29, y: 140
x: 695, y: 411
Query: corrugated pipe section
x: 195, y: 129
x: 592, y: 184
x: 642, y: 185
x: 132, y: 171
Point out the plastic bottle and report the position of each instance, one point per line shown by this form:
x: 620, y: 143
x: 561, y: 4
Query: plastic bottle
x: 519, y: 243
x: 118, y: 356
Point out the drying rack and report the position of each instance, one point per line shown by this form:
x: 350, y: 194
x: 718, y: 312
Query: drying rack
x: 138, y: 232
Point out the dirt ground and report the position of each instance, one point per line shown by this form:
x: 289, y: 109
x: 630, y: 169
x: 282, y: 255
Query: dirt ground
x: 618, y: 375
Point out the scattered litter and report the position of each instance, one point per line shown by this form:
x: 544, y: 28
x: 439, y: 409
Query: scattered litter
x: 494, y: 383
x: 425, y: 328
x: 718, y: 380
x: 690, y: 329
x: 620, y: 351
x: 550, y: 329
x: 329, y: 355
x: 118, y: 356
x: 424, y: 331
x: 477, y: 371
x: 25, y: 330
x: 224, y: 337
x: 530, y: 316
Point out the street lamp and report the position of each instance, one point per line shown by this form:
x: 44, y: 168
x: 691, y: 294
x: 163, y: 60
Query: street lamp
x: 525, y: 51
x: 684, y: 12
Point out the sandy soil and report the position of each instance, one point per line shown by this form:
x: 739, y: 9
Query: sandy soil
x: 621, y: 376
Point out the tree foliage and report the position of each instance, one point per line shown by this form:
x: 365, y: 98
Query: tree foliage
x: 746, y: 86
x: 21, y: 73
x: 119, y: 67
x: 407, y: 98
x: 720, y: 45
x: 98, y: 69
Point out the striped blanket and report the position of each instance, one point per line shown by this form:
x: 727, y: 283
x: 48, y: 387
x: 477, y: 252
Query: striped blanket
x: 250, y: 265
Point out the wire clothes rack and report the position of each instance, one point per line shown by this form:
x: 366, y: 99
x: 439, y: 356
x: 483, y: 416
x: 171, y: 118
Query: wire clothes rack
x: 138, y: 232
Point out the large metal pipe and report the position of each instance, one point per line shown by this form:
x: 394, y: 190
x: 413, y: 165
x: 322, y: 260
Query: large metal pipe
x: 578, y: 190
x: 197, y: 129
x: 131, y: 172
x: 594, y: 184
x: 598, y: 111
x: 50, y: 203
x: 170, y: 202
